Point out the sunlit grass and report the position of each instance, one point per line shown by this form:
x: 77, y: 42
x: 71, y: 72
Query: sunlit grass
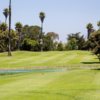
x: 48, y: 59
x: 68, y: 85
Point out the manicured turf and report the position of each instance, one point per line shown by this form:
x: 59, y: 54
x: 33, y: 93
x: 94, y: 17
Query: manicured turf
x: 48, y: 59
x: 67, y: 85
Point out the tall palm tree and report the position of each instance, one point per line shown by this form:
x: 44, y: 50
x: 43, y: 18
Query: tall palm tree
x: 89, y: 29
x: 6, y: 13
x: 9, y: 37
x: 98, y: 24
x: 42, y: 17
x: 18, y: 27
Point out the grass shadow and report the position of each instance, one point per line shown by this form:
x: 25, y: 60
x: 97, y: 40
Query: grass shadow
x: 90, y: 62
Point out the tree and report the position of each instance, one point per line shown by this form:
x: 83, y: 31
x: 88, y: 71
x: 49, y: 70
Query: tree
x: 29, y: 44
x: 98, y: 24
x: 60, y: 46
x: 18, y: 27
x: 3, y: 26
x: 42, y: 17
x: 4, y: 40
x: 49, y: 41
x: 29, y: 34
x: 75, y: 41
x: 95, y: 41
x: 6, y: 13
x: 54, y: 36
x: 89, y: 29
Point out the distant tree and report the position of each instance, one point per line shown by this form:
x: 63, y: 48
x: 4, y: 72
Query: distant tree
x: 89, y: 29
x: 75, y: 41
x: 98, y: 24
x: 6, y: 13
x: 49, y: 41
x: 30, y: 45
x: 54, y: 36
x: 31, y: 33
x: 60, y: 46
x: 3, y: 26
x: 18, y: 27
x: 42, y: 17
x: 4, y: 40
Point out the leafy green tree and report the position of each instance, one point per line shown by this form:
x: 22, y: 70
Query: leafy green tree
x: 6, y: 14
x: 54, y: 36
x: 31, y: 33
x: 49, y: 41
x: 4, y: 40
x: 75, y: 41
x: 60, y: 46
x: 30, y: 45
x: 95, y: 41
x: 42, y: 17
x: 18, y: 27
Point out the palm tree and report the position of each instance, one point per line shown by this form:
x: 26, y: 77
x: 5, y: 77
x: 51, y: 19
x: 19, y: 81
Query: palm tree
x: 42, y: 17
x: 98, y: 24
x: 6, y: 13
x: 89, y: 29
x: 9, y: 36
x: 3, y: 26
x: 18, y: 27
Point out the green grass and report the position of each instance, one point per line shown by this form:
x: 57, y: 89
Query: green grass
x: 68, y: 85
x: 49, y: 59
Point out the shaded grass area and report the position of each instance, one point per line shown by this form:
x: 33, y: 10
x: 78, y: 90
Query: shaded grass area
x: 24, y: 59
x: 68, y: 85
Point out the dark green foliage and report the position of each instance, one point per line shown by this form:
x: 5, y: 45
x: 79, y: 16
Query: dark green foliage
x: 75, y: 42
x: 18, y: 27
x: 49, y: 41
x: 3, y: 26
x: 4, y: 40
x: 60, y: 46
x: 95, y: 43
x: 30, y: 45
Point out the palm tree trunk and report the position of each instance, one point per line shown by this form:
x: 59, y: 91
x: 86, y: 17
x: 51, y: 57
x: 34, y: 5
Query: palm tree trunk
x: 9, y: 43
x: 19, y: 41
x: 41, y: 42
x: 5, y: 20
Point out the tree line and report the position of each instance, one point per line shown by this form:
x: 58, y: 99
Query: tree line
x: 32, y: 38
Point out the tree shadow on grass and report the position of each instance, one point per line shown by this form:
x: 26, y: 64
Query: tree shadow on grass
x: 90, y: 62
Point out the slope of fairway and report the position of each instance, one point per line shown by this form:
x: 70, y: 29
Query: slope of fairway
x: 48, y: 59
x: 68, y: 85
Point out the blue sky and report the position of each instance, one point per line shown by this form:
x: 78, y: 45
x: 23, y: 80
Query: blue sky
x: 62, y: 16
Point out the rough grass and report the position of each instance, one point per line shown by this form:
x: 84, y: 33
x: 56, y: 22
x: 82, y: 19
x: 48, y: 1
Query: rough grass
x: 68, y: 85
x: 49, y: 59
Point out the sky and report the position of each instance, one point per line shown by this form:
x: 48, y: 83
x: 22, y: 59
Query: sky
x: 62, y: 16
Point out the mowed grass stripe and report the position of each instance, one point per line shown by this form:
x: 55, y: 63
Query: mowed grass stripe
x: 69, y: 85
x: 49, y: 59
x: 26, y: 83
